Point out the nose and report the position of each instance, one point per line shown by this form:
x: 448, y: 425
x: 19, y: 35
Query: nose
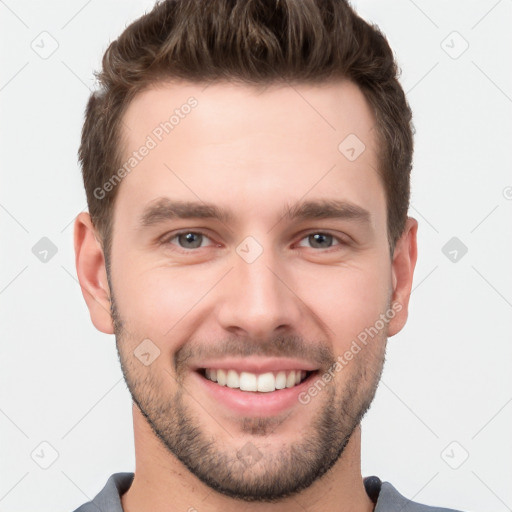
x: 258, y: 298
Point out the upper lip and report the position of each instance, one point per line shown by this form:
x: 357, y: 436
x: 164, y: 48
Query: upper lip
x: 256, y: 365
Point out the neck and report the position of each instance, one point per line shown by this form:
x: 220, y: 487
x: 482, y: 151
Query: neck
x: 161, y: 481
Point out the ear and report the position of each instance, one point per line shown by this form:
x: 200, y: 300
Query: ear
x: 92, y: 274
x: 402, y: 270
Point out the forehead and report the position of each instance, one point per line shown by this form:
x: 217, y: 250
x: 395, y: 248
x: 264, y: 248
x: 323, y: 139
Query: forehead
x: 229, y: 143
x: 325, y: 112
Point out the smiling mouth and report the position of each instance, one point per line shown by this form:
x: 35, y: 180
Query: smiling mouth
x: 263, y: 382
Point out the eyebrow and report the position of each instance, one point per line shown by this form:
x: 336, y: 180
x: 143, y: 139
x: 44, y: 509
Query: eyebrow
x: 165, y: 209
x: 326, y: 209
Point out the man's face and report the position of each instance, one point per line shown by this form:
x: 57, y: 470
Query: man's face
x: 259, y: 291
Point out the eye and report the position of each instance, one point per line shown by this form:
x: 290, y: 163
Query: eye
x: 321, y: 240
x: 187, y: 239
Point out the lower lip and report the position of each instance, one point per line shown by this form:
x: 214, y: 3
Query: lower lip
x: 254, y: 403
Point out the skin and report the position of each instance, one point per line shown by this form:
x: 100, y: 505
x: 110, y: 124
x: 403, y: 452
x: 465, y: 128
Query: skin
x: 253, y: 152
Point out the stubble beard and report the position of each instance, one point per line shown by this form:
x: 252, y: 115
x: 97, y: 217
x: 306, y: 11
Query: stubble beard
x: 251, y: 473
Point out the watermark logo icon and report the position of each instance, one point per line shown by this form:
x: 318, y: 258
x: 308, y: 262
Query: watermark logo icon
x: 454, y: 45
x: 455, y: 455
x: 146, y: 352
x: 249, y: 249
x: 45, y: 45
x: 351, y: 147
x: 454, y: 249
x: 44, y: 455
x: 249, y: 454
x: 44, y: 250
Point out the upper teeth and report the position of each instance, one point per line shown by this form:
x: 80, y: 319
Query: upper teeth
x: 247, y: 381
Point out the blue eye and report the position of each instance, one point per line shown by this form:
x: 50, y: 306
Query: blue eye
x: 188, y: 239
x: 321, y: 240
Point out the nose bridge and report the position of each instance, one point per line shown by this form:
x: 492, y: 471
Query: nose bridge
x: 256, y: 298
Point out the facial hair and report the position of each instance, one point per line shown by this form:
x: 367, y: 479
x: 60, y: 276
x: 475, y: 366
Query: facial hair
x: 252, y: 473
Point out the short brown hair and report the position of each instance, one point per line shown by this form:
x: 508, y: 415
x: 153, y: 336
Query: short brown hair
x: 256, y: 42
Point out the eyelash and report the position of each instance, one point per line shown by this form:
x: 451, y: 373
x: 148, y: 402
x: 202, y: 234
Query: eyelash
x: 167, y: 240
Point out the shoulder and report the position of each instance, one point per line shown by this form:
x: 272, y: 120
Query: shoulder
x: 391, y: 500
x: 109, y: 498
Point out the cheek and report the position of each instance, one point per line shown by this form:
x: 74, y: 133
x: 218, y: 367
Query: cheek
x: 349, y: 300
x: 155, y: 300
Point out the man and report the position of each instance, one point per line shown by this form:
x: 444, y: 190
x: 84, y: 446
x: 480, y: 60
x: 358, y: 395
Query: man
x: 247, y: 166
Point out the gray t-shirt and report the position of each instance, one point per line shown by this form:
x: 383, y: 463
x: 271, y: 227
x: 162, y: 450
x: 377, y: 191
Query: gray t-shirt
x: 387, y: 497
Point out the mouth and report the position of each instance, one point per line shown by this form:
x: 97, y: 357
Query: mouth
x: 266, y: 382
x: 254, y: 390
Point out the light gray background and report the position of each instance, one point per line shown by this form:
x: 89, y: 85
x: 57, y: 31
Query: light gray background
x: 446, y: 390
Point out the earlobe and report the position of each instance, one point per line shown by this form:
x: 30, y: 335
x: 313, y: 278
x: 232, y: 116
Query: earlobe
x: 90, y: 267
x: 402, y: 272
